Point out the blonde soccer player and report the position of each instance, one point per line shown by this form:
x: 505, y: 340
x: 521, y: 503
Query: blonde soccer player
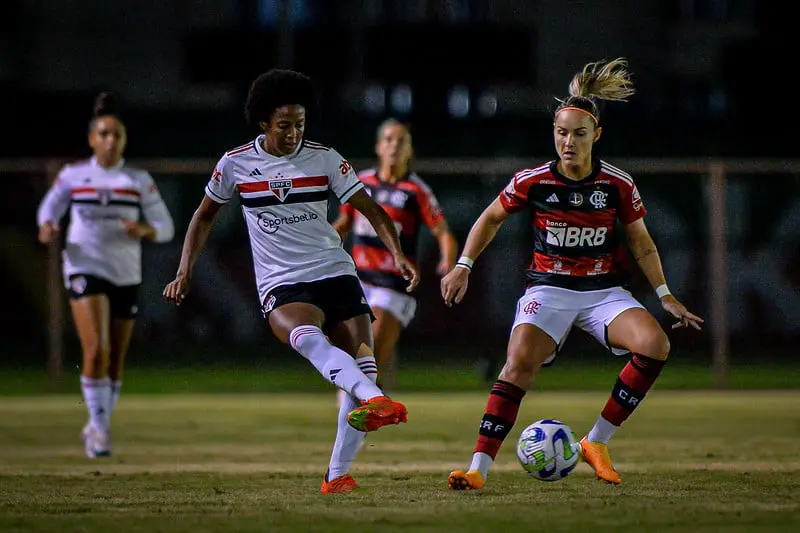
x: 112, y: 208
x: 307, y: 284
x: 575, y: 277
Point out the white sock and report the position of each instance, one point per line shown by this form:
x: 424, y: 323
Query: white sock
x: 348, y: 440
x: 602, y: 431
x: 97, y: 395
x: 482, y: 462
x: 116, y: 388
x: 334, y: 364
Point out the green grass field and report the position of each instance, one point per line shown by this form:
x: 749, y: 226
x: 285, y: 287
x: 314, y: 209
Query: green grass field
x: 698, y: 461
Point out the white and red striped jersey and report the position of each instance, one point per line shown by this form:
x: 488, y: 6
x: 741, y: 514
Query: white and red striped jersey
x: 98, y: 199
x: 285, y: 207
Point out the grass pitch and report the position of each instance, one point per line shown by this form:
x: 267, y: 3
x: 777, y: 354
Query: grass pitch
x: 691, y: 461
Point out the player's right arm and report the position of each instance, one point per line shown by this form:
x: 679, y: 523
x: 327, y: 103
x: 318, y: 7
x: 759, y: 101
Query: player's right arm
x: 218, y: 192
x: 455, y: 283
x: 52, y: 209
x: 513, y: 199
x: 344, y: 222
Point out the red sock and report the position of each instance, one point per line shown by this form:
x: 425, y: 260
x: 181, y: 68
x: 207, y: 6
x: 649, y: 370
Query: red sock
x: 501, y: 413
x: 633, y: 383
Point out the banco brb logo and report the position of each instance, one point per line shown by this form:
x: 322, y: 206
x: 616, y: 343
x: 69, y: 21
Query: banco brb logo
x: 270, y: 223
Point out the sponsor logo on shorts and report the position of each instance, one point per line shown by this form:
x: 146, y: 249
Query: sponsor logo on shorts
x: 78, y: 284
x: 270, y: 223
x: 532, y: 307
x: 269, y: 304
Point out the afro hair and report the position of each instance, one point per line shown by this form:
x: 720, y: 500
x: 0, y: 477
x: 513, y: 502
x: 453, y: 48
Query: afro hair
x: 276, y: 88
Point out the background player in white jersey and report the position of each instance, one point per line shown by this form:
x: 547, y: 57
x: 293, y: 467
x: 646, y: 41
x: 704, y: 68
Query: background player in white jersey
x: 410, y: 203
x: 574, y: 277
x: 102, y: 257
x: 306, y: 281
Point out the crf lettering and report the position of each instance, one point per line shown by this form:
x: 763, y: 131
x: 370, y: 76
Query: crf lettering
x: 489, y: 426
x: 627, y: 398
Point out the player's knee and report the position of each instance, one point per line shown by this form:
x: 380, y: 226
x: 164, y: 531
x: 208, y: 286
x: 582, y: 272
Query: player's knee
x: 520, y: 367
x: 655, y: 344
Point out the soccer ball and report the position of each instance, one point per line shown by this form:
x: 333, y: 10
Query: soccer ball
x: 548, y: 450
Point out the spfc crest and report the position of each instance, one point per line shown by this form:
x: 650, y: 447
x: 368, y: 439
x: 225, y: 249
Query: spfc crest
x: 104, y: 196
x: 280, y: 188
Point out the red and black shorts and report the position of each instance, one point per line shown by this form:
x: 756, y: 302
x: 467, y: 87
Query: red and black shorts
x: 122, y: 299
x: 340, y: 298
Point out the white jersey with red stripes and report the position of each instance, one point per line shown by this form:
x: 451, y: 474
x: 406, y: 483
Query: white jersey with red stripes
x: 98, y: 200
x: 285, y: 206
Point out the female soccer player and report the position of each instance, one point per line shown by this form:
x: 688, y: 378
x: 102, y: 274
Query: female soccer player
x: 573, y: 277
x: 306, y: 281
x: 102, y: 258
x: 410, y: 203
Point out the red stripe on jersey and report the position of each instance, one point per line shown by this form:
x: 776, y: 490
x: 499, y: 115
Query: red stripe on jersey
x: 132, y: 192
x: 297, y: 183
x: 85, y: 190
x: 310, y: 181
x: 376, y: 259
x: 82, y: 190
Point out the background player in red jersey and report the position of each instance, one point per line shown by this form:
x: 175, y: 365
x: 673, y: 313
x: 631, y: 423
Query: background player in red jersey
x: 102, y: 258
x: 573, y: 277
x: 410, y: 203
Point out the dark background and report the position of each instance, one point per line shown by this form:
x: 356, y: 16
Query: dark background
x: 713, y: 80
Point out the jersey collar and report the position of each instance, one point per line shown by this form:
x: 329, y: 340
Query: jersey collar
x: 260, y: 151
x: 119, y: 165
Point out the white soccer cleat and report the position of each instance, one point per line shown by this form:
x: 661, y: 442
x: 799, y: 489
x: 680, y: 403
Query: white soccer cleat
x: 96, y: 443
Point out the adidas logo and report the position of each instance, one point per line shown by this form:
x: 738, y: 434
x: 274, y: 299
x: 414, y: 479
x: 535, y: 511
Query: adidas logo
x: 256, y: 172
x: 552, y: 199
x: 334, y: 372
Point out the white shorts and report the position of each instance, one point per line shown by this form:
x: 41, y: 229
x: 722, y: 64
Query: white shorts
x: 402, y: 306
x: 555, y: 310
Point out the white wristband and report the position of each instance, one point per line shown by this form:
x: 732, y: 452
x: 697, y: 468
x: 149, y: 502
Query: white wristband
x: 466, y: 261
x: 662, y: 290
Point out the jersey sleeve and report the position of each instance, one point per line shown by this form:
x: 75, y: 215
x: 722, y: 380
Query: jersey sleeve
x: 56, y: 202
x: 155, y: 210
x: 515, y: 196
x: 631, y: 207
x: 429, y: 209
x: 343, y: 179
x: 221, y: 186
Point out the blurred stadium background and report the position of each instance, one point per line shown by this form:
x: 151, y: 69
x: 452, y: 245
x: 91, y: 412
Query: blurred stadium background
x: 708, y: 137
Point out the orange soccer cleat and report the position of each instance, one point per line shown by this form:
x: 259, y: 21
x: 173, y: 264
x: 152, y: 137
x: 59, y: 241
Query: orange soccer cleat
x: 376, y: 413
x: 596, y: 455
x: 341, y: 485
x: 460, y: 480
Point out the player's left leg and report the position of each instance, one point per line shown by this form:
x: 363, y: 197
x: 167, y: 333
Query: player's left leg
x: 124, y: 308
x: 353, y: 336
x: 637, y: 331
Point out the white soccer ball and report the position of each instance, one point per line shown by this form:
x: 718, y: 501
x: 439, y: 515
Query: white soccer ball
x: 548, y: 450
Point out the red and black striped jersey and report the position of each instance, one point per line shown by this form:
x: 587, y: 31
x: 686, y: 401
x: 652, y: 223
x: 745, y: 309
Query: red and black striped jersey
x: 410, y: 203
x: 575, y: 245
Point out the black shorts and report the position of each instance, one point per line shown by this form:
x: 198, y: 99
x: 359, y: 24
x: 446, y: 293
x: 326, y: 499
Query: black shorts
x: 122, y: 299
x: 340, y: 298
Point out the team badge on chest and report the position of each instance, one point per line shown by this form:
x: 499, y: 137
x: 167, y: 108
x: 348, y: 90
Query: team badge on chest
x: 280, y: 188
x: 598, y: 199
